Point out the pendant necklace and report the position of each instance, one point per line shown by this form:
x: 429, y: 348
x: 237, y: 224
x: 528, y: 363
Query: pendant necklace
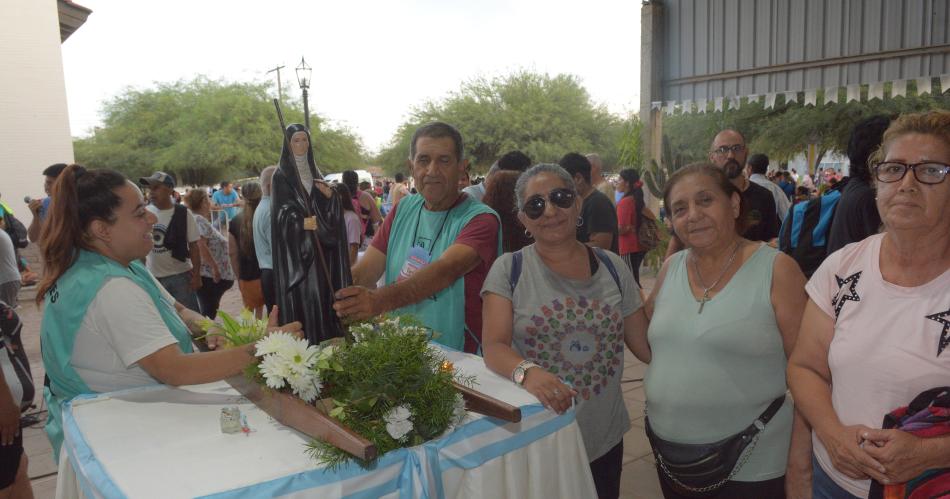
x: 699, y: 276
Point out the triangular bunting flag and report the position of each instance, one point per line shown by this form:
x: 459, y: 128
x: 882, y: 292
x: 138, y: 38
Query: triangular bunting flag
x: 769, y: 101
x: 791, y: 97
x: 734, y: 102
x: 688, y: 106
x: 898, y: 88
x: 656, y: 105
x: 811, y: 97
x: 701, y: 105
x: 945, y: 83
x: 923, y: 85
x: 718, y: 105
x: 831, y: 95
x: 876, y: 91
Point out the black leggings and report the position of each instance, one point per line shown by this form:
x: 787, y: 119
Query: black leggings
x: 606, y: 472
x: 209, y: 295
x: 267, y: 287
x: 634, y: 260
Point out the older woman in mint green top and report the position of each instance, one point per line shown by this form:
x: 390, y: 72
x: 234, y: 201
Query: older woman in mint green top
x: 725, y: 313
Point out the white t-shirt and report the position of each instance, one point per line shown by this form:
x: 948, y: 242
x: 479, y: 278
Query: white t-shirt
x: 121, y: 326
x: 886, y: 345
x: 160, y: 261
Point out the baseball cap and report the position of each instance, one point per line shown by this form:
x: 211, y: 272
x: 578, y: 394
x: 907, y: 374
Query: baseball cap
x: 158, y: 178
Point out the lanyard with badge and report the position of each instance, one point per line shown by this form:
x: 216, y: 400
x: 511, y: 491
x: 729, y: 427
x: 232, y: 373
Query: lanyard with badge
x: 418, y: 256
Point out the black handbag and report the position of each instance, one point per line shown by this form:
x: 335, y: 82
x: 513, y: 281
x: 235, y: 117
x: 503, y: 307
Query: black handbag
x: 702, y: 469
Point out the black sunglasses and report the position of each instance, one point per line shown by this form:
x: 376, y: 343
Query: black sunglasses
x: 535, y: 205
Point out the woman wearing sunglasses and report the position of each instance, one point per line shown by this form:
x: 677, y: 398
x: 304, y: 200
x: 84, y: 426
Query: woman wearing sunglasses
x: 878, y: 323
x: 557, y: 315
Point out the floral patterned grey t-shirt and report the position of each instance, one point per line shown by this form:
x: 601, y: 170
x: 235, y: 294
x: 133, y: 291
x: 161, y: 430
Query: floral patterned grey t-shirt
x: 218, y: 246
x: 574, y: 329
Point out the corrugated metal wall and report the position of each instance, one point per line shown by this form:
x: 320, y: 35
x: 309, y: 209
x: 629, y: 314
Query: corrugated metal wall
x: 726, y: 48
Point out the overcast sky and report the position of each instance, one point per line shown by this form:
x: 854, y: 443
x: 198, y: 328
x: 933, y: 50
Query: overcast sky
x: 373, y: 60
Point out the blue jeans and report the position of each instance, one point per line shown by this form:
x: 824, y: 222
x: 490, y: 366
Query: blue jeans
x: 179, y: 286
x: 823, y: 487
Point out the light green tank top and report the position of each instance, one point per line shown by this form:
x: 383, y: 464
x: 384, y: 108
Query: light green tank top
x: 714, y: 373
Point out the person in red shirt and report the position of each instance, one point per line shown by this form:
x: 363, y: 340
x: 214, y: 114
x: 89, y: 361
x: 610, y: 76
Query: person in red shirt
x: 629, y: 216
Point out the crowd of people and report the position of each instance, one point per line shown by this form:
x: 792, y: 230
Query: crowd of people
x: 760, y: 383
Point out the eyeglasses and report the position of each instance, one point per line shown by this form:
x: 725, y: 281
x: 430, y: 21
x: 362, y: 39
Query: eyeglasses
x: 926, y: 173
x: 535, y: 205
x: 724, y: 150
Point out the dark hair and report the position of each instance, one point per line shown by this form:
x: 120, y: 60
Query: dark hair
x: 515, y: 161
x: 347, y: 196
x: 54, y: 170
x: 225, y: 183
x: 500, y: 196
x: 253, y: 193
x: 865, y: 139
x: 631, y: 177
x: 78, y: 198
x: 721, y: 181
x: 400, y: 178
x: 759, y: 163
x: 576, y: 163
x: 438, y: 130
x: 351, y: 180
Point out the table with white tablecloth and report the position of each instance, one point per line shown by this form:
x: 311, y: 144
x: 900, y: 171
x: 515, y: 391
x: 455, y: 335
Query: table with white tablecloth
x: 161, y: 441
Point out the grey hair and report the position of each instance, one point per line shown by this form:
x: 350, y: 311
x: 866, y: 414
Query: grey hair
x: 536, y: 170
x: 267, y: 179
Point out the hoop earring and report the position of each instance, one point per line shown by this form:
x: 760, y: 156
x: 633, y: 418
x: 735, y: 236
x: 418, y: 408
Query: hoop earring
x: 527, y: 234
x: 580, y: 221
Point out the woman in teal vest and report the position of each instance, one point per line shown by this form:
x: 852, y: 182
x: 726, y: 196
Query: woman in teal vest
x: 107, y: 323
x: 724, y: 317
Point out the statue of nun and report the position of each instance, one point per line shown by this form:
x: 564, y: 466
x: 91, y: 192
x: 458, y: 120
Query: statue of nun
x: 308, y: 241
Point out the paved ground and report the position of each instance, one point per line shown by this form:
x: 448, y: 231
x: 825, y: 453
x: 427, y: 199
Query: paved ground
x: 638, y: 481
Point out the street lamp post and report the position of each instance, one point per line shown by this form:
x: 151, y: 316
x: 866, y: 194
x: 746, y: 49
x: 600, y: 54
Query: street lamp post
x: 303, y: 78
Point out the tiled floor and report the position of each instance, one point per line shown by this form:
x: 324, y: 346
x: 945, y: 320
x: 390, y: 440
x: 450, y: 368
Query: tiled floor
x: 639, y: 480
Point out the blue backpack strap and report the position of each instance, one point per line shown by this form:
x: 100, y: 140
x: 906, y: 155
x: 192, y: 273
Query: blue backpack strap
x: 516, y: 258
x: 602, y: 256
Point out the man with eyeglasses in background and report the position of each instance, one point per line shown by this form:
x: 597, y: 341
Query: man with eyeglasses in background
x: 729, y: 153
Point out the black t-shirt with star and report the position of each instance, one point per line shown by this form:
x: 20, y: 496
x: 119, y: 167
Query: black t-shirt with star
x: 762, y: 220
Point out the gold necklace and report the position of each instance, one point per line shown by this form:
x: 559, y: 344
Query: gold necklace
x: 699, y: 276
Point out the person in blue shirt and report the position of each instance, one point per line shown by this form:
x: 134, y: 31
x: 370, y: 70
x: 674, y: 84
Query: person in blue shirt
x: 227, y: 198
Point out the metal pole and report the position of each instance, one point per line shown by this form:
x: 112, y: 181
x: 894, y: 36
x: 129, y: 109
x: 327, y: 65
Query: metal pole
x: 306, y: 110
x: 280, y: 95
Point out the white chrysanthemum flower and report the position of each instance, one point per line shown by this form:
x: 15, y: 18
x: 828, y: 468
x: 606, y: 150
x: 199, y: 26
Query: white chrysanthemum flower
x: 274, y: 370
x: 273, y: 343
x: 300, y: 356
x: 307, y: 387
x: 397, y: 420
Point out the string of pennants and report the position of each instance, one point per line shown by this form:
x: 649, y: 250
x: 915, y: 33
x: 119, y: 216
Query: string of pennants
x: 840, y: 95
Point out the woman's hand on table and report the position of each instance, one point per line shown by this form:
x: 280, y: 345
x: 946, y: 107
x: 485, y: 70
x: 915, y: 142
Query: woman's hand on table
x: 848, y: 455
x: 549, y: 390
x: 902, y: 454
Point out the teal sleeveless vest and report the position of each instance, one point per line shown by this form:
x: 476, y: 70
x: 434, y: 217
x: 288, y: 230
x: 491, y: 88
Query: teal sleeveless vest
x: 66, y: 303
x: 444, y: 312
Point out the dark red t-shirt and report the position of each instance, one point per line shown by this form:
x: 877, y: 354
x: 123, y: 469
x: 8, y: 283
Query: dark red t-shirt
x: 480, y: 234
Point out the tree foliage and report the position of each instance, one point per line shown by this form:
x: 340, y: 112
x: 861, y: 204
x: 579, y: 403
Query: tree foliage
x: 205, y: 131
x: 543, y: 116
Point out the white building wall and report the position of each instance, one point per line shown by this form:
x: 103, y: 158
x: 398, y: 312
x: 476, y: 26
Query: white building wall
x: 34, y: 121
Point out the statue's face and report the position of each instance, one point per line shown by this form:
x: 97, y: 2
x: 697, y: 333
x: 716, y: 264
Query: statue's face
x: 299, y: 144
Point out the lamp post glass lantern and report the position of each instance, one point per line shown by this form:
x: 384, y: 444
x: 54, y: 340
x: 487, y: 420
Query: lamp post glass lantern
x: 303, y: 79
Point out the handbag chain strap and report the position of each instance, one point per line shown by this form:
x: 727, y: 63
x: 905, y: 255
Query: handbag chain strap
x: 698, y: 490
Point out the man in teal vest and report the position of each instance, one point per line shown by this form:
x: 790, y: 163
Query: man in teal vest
x: 434, y: 248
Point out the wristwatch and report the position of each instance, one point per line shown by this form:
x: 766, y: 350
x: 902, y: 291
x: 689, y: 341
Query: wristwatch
x: 518, y: 375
